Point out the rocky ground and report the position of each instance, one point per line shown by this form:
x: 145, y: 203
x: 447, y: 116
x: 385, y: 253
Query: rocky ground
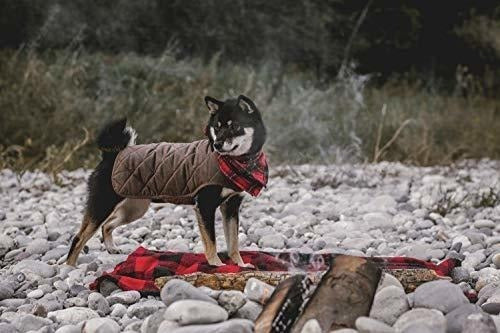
x: 382, y: 209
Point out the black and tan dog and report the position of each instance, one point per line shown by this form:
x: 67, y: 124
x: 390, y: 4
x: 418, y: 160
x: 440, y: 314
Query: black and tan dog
x: 201, y: 173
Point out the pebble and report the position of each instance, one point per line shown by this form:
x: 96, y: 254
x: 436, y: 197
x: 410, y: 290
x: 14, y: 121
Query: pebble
x: 124, y: 297
x: 97, y: 302
x: 367, y: 214
x: 492, y: 305
x: 434, y: 319
x: 496, y: 260
x: 190, y: 312
x: 37, y: 293
x: 98, y: 325
x: 118, y: 310
x: 231, y: 300
x: 230, y: 326
x: 479, y: 322
x: 274, y: 241
x: 258, y: 291
x: 370, y: 325
x: 36, y: 267
x: 152, y: 322
x: 388, y: 304
x: 72, y: 315
x: 311, y: 326
x: 441, y: 295
x: 456, y: 318
x: 143, y: 309
x: 175, y: 290
x: 389, y: 280
x: 29, y: 322
x: 250, y: 310
x: 460, y: 274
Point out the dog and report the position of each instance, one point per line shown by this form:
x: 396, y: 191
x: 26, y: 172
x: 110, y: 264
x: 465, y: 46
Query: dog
x: 236, y: 136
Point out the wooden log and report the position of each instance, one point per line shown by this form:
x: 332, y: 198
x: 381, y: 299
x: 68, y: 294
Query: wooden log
x: 284, y: 306
x: 345, y: 293
x: 409, y: 278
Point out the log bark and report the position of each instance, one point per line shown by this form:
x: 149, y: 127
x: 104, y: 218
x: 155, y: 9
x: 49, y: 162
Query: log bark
x: 409, y: 278
x: 284, y: 305
x: 345, y: 293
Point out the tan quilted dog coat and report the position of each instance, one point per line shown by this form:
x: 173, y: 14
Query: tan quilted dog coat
x: 170, y: 172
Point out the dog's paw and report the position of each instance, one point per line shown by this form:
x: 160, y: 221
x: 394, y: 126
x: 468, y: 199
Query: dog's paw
x: 246, y: 265
x: 215, y: 262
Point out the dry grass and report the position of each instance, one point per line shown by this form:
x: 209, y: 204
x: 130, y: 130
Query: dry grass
x: 47, y: 99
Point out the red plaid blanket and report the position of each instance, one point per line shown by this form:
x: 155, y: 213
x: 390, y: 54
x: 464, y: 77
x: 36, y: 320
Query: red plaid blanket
x: 143, y: 266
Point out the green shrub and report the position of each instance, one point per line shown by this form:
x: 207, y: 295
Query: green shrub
x: 48, y: 99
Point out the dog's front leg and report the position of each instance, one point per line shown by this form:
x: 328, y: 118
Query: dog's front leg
x: 206, y: 223
x: 230, y: 219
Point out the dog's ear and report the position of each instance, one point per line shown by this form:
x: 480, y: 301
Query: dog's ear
x: 212, y: 104
x: 246, y: 104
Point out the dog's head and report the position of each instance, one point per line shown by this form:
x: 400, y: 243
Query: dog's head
x: 235, y: 127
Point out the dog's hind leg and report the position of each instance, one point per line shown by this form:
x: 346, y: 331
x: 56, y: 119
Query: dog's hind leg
x: 230, y: 219
x: 87, y: 230
x: 125, y: 212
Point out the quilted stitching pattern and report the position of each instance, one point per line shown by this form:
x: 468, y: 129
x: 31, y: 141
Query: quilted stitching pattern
x: 171, y: 172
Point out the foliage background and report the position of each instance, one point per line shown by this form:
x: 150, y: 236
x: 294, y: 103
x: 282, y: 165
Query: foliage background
x: 413, y: 81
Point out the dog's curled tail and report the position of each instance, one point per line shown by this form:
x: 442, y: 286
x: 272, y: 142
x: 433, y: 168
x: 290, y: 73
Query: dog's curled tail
x: 115, y: 136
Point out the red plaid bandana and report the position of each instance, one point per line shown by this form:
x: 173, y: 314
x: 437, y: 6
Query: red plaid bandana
x: 248, y: 173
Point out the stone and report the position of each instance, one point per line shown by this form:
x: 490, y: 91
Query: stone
x: 37, y: 293
x: 258, y: 291
x: 143, y: 309
x: 72, y: 315
x: 434, y: 319
x: 6, y: 291
x: 36, y: 267
x: 29, y: 322
x: 460, y: 274
x: 152, y: 322
x: 479, y: 322
x: 484, y: 224
x: 107, y: 287
x: 124, y: 297
x: 492, y: 305
x: 118, y: 310
x: 389, y: 280
x: 231, y: 300
x: 274, y: 241
x: 190, y: 312
x: 473, y: 260
x: 378, y: 220
x: 38, y: 246
x: 250, y: 310
x: 98, y: 303
x: 167, y: 326
x: 441, y: 295
x: 175, y: 290
x: 388, y: 304
x: 230, y: 326
x: 6, y: 244
x: 98, y: 325
x: 496, y: 260
x: 456, y: 318
x: 133, y: 326
x: 311, y: 326
x: 370, y: 325
x: 7, y: 328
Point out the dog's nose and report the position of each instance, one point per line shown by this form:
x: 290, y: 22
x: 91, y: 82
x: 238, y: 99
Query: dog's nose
x: 218, y: 145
